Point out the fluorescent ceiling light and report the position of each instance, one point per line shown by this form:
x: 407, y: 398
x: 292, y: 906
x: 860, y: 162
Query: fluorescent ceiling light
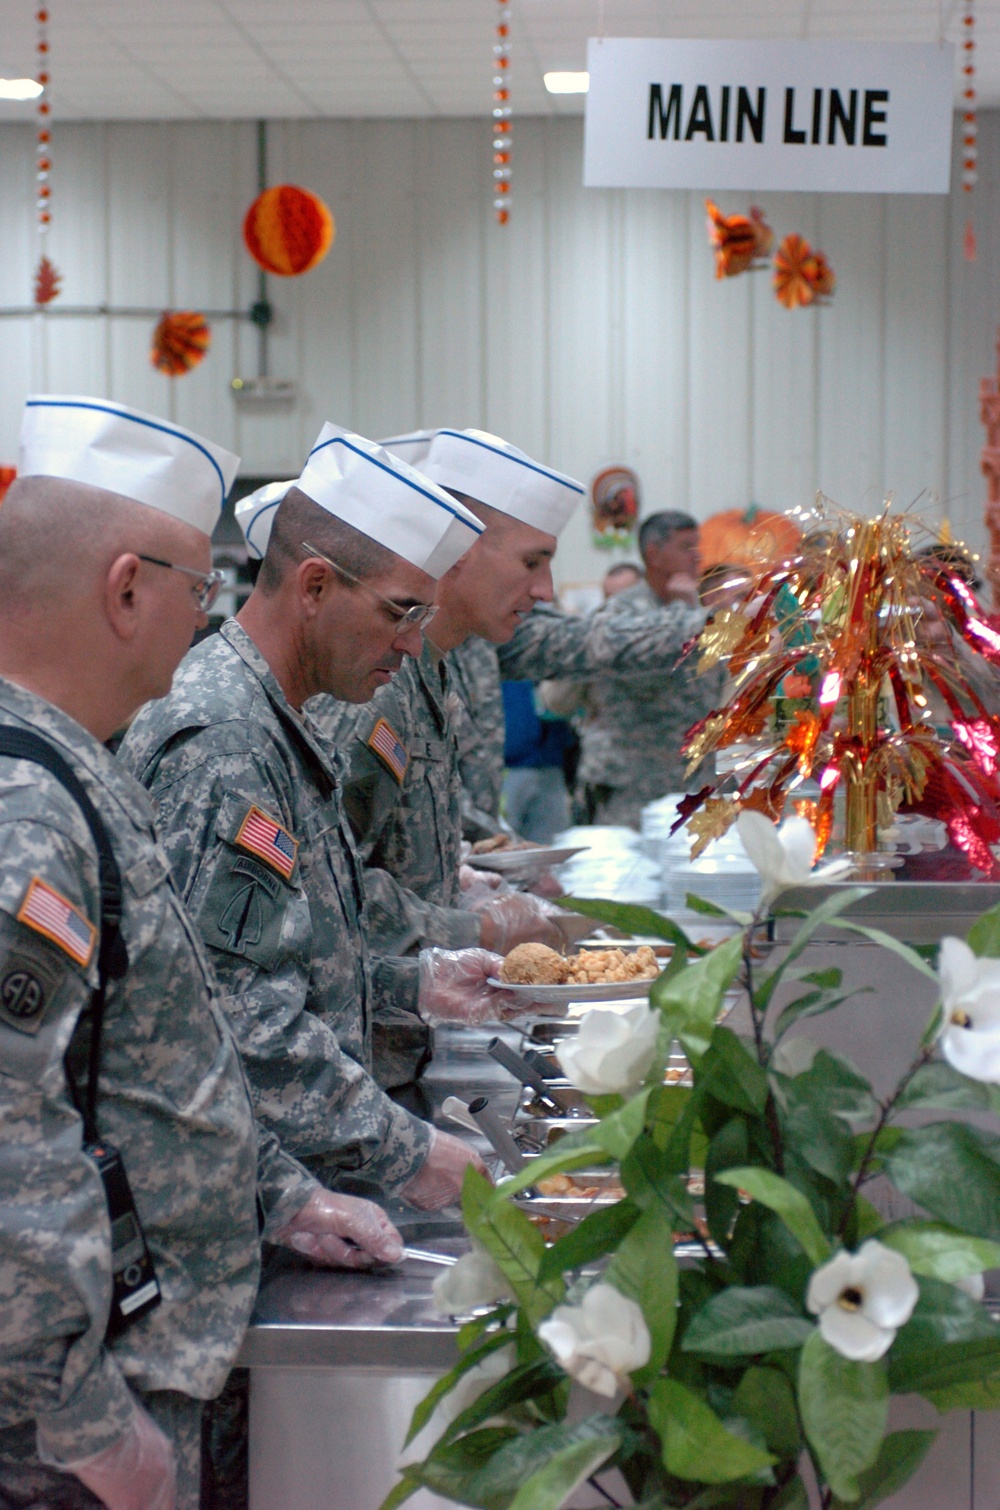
x: 567, y: 83
x: 19, y: 89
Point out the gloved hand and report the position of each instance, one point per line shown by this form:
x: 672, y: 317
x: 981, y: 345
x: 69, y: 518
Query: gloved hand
x: 438, y: 1182
x: 138, y: 1472
x: 477, y: 887
x: 525, y: 919
x: 342, y: 1232
x: 454, y: 987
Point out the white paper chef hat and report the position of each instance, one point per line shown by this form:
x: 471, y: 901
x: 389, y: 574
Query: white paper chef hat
x: 412, y: 448
x: 137, y: 455
x: 387, y: 500
x: 255, y: 514
x: 486, y: 468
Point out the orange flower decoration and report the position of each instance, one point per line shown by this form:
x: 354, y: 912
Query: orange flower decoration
x: 801, y: 274
x: 180, y: 342
x: 739, y: 240
x: 287, y: 230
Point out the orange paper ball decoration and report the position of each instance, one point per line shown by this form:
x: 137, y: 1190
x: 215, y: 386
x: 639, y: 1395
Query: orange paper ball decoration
x: 748, y: 537
x: 287, y: 230
x: 180, y: 342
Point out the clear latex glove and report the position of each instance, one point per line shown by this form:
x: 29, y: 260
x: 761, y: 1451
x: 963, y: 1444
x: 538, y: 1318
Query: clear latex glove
x: 454, y: 987
x: 477, y: 887
x: 138, y: 1472
x: 342, y: 1232
x: 522, y: 918
x: 438, y: 1182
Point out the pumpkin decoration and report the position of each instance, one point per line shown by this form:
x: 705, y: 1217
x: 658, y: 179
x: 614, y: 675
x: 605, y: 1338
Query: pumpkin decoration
x: 180, y: 342
x: 740, y: 241
x: 288, y: 230
x: 47, y: 282
x: 801, y: 274
x: 748, y: 537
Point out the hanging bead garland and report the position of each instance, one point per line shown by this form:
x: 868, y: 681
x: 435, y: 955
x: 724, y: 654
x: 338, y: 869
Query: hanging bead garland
x: 970, y: 150
x: 501, y: 115
x: 47, y: 280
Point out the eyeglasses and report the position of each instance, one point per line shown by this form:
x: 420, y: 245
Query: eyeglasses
x: 417, y: 617
x: 206, y: 589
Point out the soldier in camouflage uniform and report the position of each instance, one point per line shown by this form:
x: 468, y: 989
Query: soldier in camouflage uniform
x: 403, y: 791
x: 479, y: 730
x: 249, y: 798
x: 90, y: 629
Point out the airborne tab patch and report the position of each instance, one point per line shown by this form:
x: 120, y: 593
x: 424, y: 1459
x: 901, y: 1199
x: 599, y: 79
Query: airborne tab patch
x: 51, y: 914
x: 390, y: 749
x: 261, y: 836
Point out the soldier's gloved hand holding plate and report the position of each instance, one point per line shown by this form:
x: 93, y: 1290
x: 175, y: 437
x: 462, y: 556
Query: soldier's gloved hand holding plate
x: 438, y: 1181
x: 524, y: 919
x: 454, y: 987
x: 138, y: 1472
x: 343, y: 1232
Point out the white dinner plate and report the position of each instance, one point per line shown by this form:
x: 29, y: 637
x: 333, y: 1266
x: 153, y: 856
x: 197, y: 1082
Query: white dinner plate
x: 524, y: 862
x: 621, y: 990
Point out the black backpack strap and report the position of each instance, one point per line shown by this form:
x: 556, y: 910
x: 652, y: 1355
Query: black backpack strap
x: 112, y: 957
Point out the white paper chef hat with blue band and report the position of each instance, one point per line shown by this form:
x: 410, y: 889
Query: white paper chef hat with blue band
x: 486, y: 468
x: 412, y: 448
x: 124, y: 451
x: 255, y: 514
x: 387, y: 500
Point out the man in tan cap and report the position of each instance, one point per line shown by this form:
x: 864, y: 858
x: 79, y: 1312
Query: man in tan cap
x: 129, y: 1240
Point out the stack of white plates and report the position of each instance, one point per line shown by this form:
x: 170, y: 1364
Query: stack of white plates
x: 612, y: 868
x: 723, y: 874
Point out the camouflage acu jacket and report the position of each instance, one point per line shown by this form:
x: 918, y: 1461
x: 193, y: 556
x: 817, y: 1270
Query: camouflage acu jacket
x: 402, y: 794
x: 250, y: 806
x: 173, y: 1099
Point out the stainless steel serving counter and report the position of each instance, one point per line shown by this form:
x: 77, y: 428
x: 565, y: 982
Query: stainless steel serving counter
x: 338, y: 1361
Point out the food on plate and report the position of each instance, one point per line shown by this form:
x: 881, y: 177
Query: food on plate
x: 533, y: 965
x: 538, y: 965
x: 505, y: 842
x: 565, y: 1185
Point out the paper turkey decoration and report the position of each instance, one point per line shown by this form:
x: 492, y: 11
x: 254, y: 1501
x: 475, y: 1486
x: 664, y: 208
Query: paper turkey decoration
x: 180, y: 341
x: 288, y: 230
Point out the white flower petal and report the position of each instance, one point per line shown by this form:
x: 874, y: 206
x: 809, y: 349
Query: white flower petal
x: 473, y: 1282
x: 600, y: 1340
x: 956, y: 968
x: 889, y: 1287
x: 612, y: 1052
x: 833, y: 870
x: 828, y: 1281
x: 761, y: 842
x: 974, y: 1285
x: 976, y: 1055
x: 798, y: 842
x: 854, y: 1336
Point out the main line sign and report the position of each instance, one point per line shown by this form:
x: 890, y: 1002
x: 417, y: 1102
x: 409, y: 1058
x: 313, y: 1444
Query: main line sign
x: 855, y: 117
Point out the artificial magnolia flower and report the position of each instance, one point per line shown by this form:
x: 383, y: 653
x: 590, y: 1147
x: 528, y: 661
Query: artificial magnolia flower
x: 974, y: 1285
x: 784, y: 856
x: 862, y: 1299
x: 613, y: 1051
x: 970, y: 998
x: 599, y: 1341
x: 473, y: 1282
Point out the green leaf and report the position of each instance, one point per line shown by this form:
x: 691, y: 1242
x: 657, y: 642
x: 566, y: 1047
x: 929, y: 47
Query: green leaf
x: 937, y: 1087
x: 713, y: 910
x: 631, y: 919
x: 519, y: 1459
x: 814, y: 1004
x: 447, y: 1382
x: 792, y: 1497
x: 984, y: 936
x: 451, y: 1470
x: 578, y: 1150
x: 837, y: 1086
x: 400, y: 1493
x: 729, y: 1149
x: 644, y: 1269
x: 513, y: 1242
x: 565, y: 1471
x: 650, y: 1179
x: 948, y: 1335
x: 732, y: 1075
x: 901, y: 1454
x: 766, y: 1398
x: 946, y: 1169
x: 844, y: 1408
x: 824, y: 913
x: 618, y: 1131
x: 598, y: 1234
x: 895, y: 946
x: 742, y: 1322
x: 694, y: 1442
x: 977, y: 1394
x: 787, y: 1202
x: 940, y: 1252
x: 691, y: 1000
x: 527, y: 1382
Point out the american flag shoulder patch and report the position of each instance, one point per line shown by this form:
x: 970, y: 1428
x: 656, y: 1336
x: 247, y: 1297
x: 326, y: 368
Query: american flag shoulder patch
x: 51, y: 914
x: 390, y: 749
x: 261, y: 836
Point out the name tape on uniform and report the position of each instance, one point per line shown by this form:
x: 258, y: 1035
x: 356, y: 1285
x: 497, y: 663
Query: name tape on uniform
x: 51, y: 914
x: 390, y: 749
x: 261, y: 836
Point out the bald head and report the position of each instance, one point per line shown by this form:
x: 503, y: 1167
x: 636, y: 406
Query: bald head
x: 298, y: 519
x: 58, y: 540
x: 85, y: 621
